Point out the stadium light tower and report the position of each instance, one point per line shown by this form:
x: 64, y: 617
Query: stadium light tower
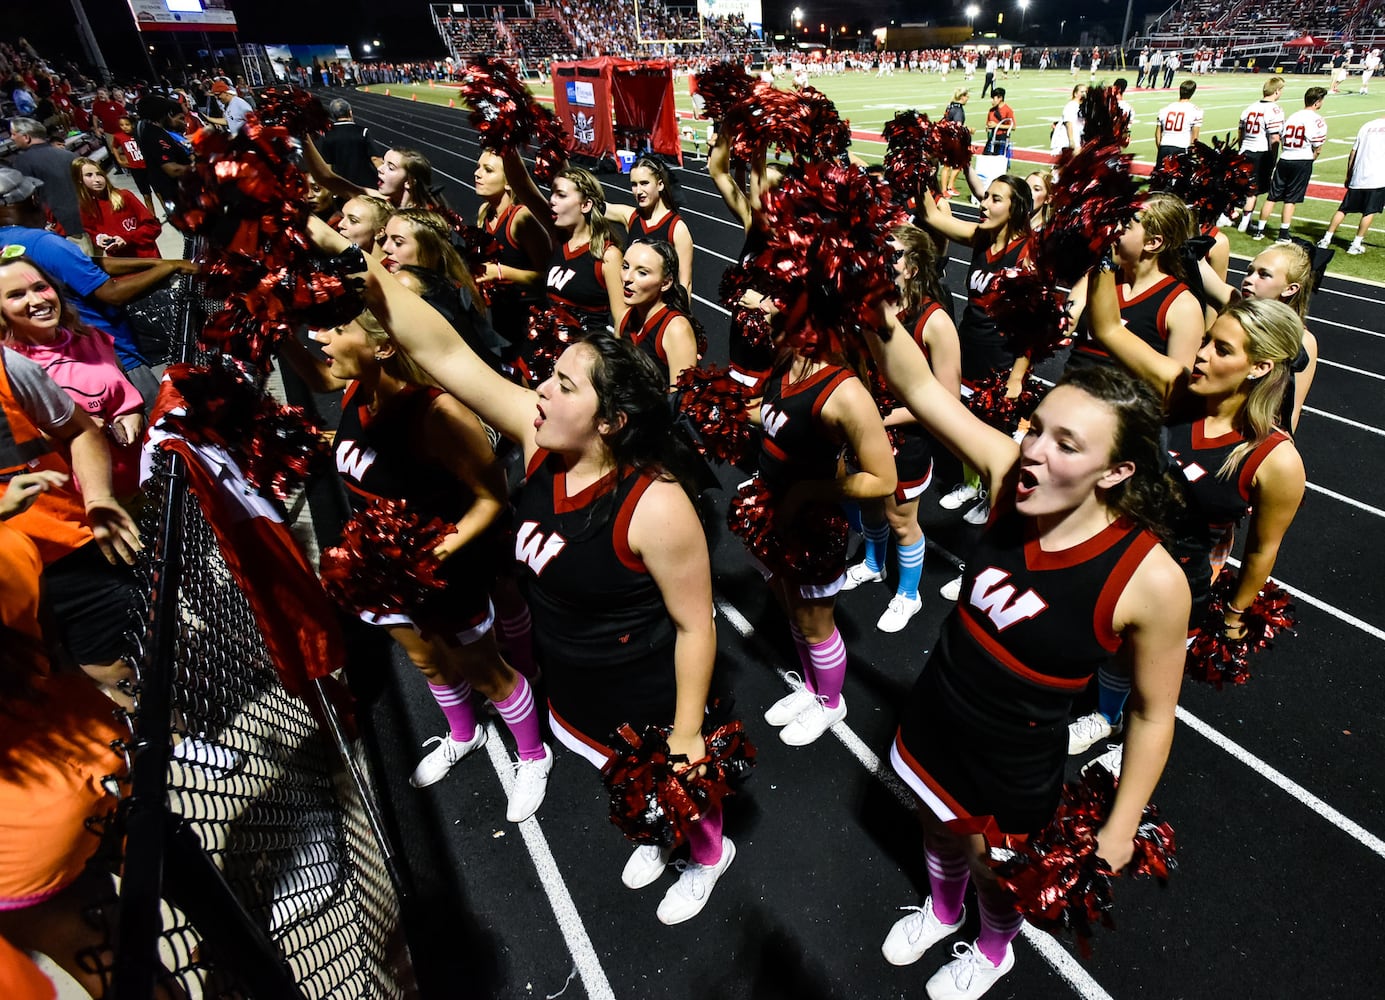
x: 1024, y: 13
x: 972, y: 11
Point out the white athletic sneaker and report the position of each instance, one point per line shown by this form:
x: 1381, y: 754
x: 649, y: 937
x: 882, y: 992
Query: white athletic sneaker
x: 814, y: 720
x: 435, y: 766
x: 916, y: 932
x: 897, y: 615
x: 1112, y: 759
x: 1325, y: 242
x: 958, y: 495
x: 969, y: 975
x: 686, y: 897
x: 1089, y: 730
x: 786, y: 709
x: 1245, y: 222
x: 861, y: 573
x: 979, y: 514
x: 531, y: 783
x: 217, y: 761
x: 1356, y: 249
x: 952, y: 590
x: 645, y: 866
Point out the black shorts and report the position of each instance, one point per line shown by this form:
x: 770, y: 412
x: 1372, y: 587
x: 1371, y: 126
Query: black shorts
x: 913, y: 462
x: 1363, y: 201
x: 140, y: 175
x: 1263, y: 173
x: 1290, y: 183
x: 96, y: 606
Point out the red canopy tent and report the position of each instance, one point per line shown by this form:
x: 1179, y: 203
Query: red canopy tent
x: 598, y: 100
x: 1305, y: 42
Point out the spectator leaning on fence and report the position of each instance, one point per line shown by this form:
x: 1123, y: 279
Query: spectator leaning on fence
x: 1365, y: 185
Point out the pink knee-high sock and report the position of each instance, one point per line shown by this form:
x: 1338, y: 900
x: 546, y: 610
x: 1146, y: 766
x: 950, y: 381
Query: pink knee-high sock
x: 516, y: 635
x: 704, y: 839
x: 805, y: 659
x: 829, y: 668
x: 1000, y: 922
x: 948, y: 875
x: 518, y: 713
x: 455, y: 702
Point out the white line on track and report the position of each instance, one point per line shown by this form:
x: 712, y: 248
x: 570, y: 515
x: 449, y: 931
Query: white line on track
x: 1317, y: 602
x: 1343, y: 420
x: 1282, y: 781
x: 1063, y: 963
x: 1360, y: 505
x: 564, y: 909
x: 1349, y: 368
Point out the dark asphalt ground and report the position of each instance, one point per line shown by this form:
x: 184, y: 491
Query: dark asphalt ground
x: 1275, y: 895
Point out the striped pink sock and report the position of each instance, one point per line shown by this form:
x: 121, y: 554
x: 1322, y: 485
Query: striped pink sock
x: 829, y: 668
x: 704, y: 839
x: 518, y: 713
x: 805, y: 658
x: 516, y: 634
x: 455, y: 702
x: 948, y: 875
x: 1000, y: 923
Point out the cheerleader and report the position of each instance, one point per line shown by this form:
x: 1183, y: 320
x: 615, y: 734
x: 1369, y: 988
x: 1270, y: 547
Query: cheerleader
x: 514, y: 280
x: 1223, y: 431
x: 405, y: 178
x: 982, y: 739
x: 400, y: 438
x: 810, y: 411
x: 1041, y: 188
x: 1003, y: 238
x: 923, y: 315
x: 363, y: 220
x: 659, y: 318
x: 655, y: 214
x: 610, y: 549
x: 583, y: 276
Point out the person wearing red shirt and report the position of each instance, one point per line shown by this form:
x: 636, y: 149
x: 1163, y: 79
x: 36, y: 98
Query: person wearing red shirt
x: 1000, y: 121
x: 131, y: 157
x: 117, y: 223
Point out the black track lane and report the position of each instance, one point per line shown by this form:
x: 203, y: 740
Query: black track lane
x: 1271, y: 899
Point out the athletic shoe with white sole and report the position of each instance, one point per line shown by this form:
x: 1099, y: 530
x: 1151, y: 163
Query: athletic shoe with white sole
x: 686, y: 897
x: 861, y: 573
x: 901, y: 609
x: 969, y: 975
x: 1086, y: 732
x: 814, y: 720
x: 958, y: 495
x: 1356, y: 249
x: 1112, y: 759
x: 979, y: 514
x: 951, y: 590
x: 786, y: 709
x: 916, y: 932
x: 531, y: 784
x: 1325, y: 242
x: 434, y: 767
x: 645, y: 866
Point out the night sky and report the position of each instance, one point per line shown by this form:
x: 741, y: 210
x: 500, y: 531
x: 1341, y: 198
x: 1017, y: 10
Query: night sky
x: 405, y: 28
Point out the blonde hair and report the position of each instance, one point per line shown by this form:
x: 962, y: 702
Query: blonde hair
x: 1046, y: 209
x: 589, y: 189
x: 1169, y: 217
x: 433, y: 235
x: 1274, y: 333
x: 398, y: 365
x: 960, y: 93
x: 378, y: 209
x: 1298, y: 268
x: 87, y: 199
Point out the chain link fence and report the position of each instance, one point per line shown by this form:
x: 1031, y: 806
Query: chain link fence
x: 251, y: 855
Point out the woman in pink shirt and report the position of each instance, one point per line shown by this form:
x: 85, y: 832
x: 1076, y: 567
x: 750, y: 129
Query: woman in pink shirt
x: 36, y: 322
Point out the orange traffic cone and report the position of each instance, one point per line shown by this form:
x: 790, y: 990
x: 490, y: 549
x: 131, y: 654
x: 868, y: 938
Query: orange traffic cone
x: 451, y: 103
x: 387, y: 91
x: 413, y: 97
x: 365, y: 90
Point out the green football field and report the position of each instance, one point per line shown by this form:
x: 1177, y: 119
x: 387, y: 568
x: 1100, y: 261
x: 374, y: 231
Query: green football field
x: 1038, y: 98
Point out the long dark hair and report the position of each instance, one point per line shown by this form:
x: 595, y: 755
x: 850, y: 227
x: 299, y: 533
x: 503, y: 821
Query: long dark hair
x: 1150, y: 497
x: 1021, y: 206
x: 676, y: 295
x: 663, y: 175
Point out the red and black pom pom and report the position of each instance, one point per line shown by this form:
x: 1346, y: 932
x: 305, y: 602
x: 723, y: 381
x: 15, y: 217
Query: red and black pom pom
x: 717, y: 406
x: 1214, y: 180
x: 811, y: 549
x: 1027, y: 310
x: 1215, y: 659
x: 804, y: 124
x: 720, y: 87
x: 384, y: 563
x: 1094, y: 201
x: 1105, y: 122
x: 990, y: 402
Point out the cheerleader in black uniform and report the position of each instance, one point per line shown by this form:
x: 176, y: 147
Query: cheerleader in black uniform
x: 402, y: 439
x: 363, y: 220
x: 583, y: 276
x: 923, y: 315
x: 514, y: 281
x: 1001, y: 239
x: 404, y: 178
x: 1066, y: 575
x: 610, y: 548
x: 659, y: 318
x: 750, y: 356
x: 655, y: 215
x: 810, y: 411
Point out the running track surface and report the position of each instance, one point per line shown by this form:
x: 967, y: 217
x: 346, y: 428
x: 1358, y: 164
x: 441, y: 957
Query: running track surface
x: 1271, y: 787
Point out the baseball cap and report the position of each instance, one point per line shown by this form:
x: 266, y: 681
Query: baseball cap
x: 15, y: 187
x: 221, y: 87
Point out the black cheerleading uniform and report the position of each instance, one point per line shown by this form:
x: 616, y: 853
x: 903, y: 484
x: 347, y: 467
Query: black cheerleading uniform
x: 1145, y: 315
x: 576, y: 283
x: 603, y: 634
x: 661, y: 230
x: 913, y: 446
x: 377, y: 459
x: 649, y: 337
x: 983, y: 348
x: 510, y: 303
x: 985, y: 730
x: 750, y: 359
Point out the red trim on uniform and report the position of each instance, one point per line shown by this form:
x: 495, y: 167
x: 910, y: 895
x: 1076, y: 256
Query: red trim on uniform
x: 565, y: 504
x: 1035, y: 558
x: 570, y: 254
x: 578, y: 735
x: 902, y: 488
x: 992, y: 258
x: 1202, y: 440
x: 802, y: 385
x: 921, y: 323
x: 1104, y: 615
x: 1007, y: 660
x: 832, y: 387
x: 1252, y: 463
x: 1147, y: 293
x: 621, y: 532
x: 512, y: 215
x: 774, y: 450
x: 539, y: 457
x: 937, y: 789
x: 360, y: 492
